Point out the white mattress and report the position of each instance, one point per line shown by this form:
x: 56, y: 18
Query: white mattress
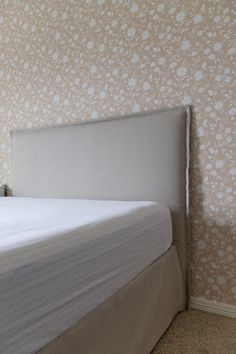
x: 60, y: 259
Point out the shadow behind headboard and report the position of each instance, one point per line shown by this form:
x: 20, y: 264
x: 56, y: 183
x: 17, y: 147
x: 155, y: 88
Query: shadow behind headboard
x: 137, y: 157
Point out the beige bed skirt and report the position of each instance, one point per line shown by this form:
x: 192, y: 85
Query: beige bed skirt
x: 133, y: 319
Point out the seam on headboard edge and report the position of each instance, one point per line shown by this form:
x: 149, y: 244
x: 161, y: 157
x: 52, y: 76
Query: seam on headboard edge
x: 187, y: 211
x: 104, y: 119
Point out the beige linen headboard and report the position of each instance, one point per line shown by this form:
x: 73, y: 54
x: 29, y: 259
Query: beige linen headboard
x: 143, y: 156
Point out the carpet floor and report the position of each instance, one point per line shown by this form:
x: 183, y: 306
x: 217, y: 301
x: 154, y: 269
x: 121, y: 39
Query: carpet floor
x: 197, y: 332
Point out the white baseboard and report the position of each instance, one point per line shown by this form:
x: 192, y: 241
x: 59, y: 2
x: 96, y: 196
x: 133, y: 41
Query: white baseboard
x: 218, y: 308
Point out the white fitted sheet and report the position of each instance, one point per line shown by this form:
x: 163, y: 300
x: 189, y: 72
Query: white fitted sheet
x: 61, y: 259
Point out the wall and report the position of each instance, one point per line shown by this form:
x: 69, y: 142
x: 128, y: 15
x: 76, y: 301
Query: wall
x: 64, y: 60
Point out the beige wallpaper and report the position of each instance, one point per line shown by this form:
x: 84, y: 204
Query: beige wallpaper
x: 69, y: 60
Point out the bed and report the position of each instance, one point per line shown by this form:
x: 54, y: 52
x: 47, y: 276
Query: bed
x: 96, y: 259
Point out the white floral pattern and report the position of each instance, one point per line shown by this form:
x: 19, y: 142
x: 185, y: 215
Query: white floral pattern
x: 68, y: 60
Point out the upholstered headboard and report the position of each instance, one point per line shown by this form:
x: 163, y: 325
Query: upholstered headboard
x: 143, y: 156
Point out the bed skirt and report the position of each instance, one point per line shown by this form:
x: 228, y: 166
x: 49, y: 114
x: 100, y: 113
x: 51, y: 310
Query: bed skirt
x: 133, y: 319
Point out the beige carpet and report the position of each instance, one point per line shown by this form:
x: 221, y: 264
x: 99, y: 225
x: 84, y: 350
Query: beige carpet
x: 197, y: 332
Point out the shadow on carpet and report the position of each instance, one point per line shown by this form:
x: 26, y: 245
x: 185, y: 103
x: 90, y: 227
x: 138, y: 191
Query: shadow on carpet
x: 197, y: 332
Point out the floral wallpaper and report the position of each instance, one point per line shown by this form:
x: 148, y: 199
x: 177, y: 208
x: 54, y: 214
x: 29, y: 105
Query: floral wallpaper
x: 68, y: 60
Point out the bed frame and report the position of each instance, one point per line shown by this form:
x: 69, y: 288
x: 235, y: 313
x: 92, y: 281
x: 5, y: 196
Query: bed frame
x: 142, y: 156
